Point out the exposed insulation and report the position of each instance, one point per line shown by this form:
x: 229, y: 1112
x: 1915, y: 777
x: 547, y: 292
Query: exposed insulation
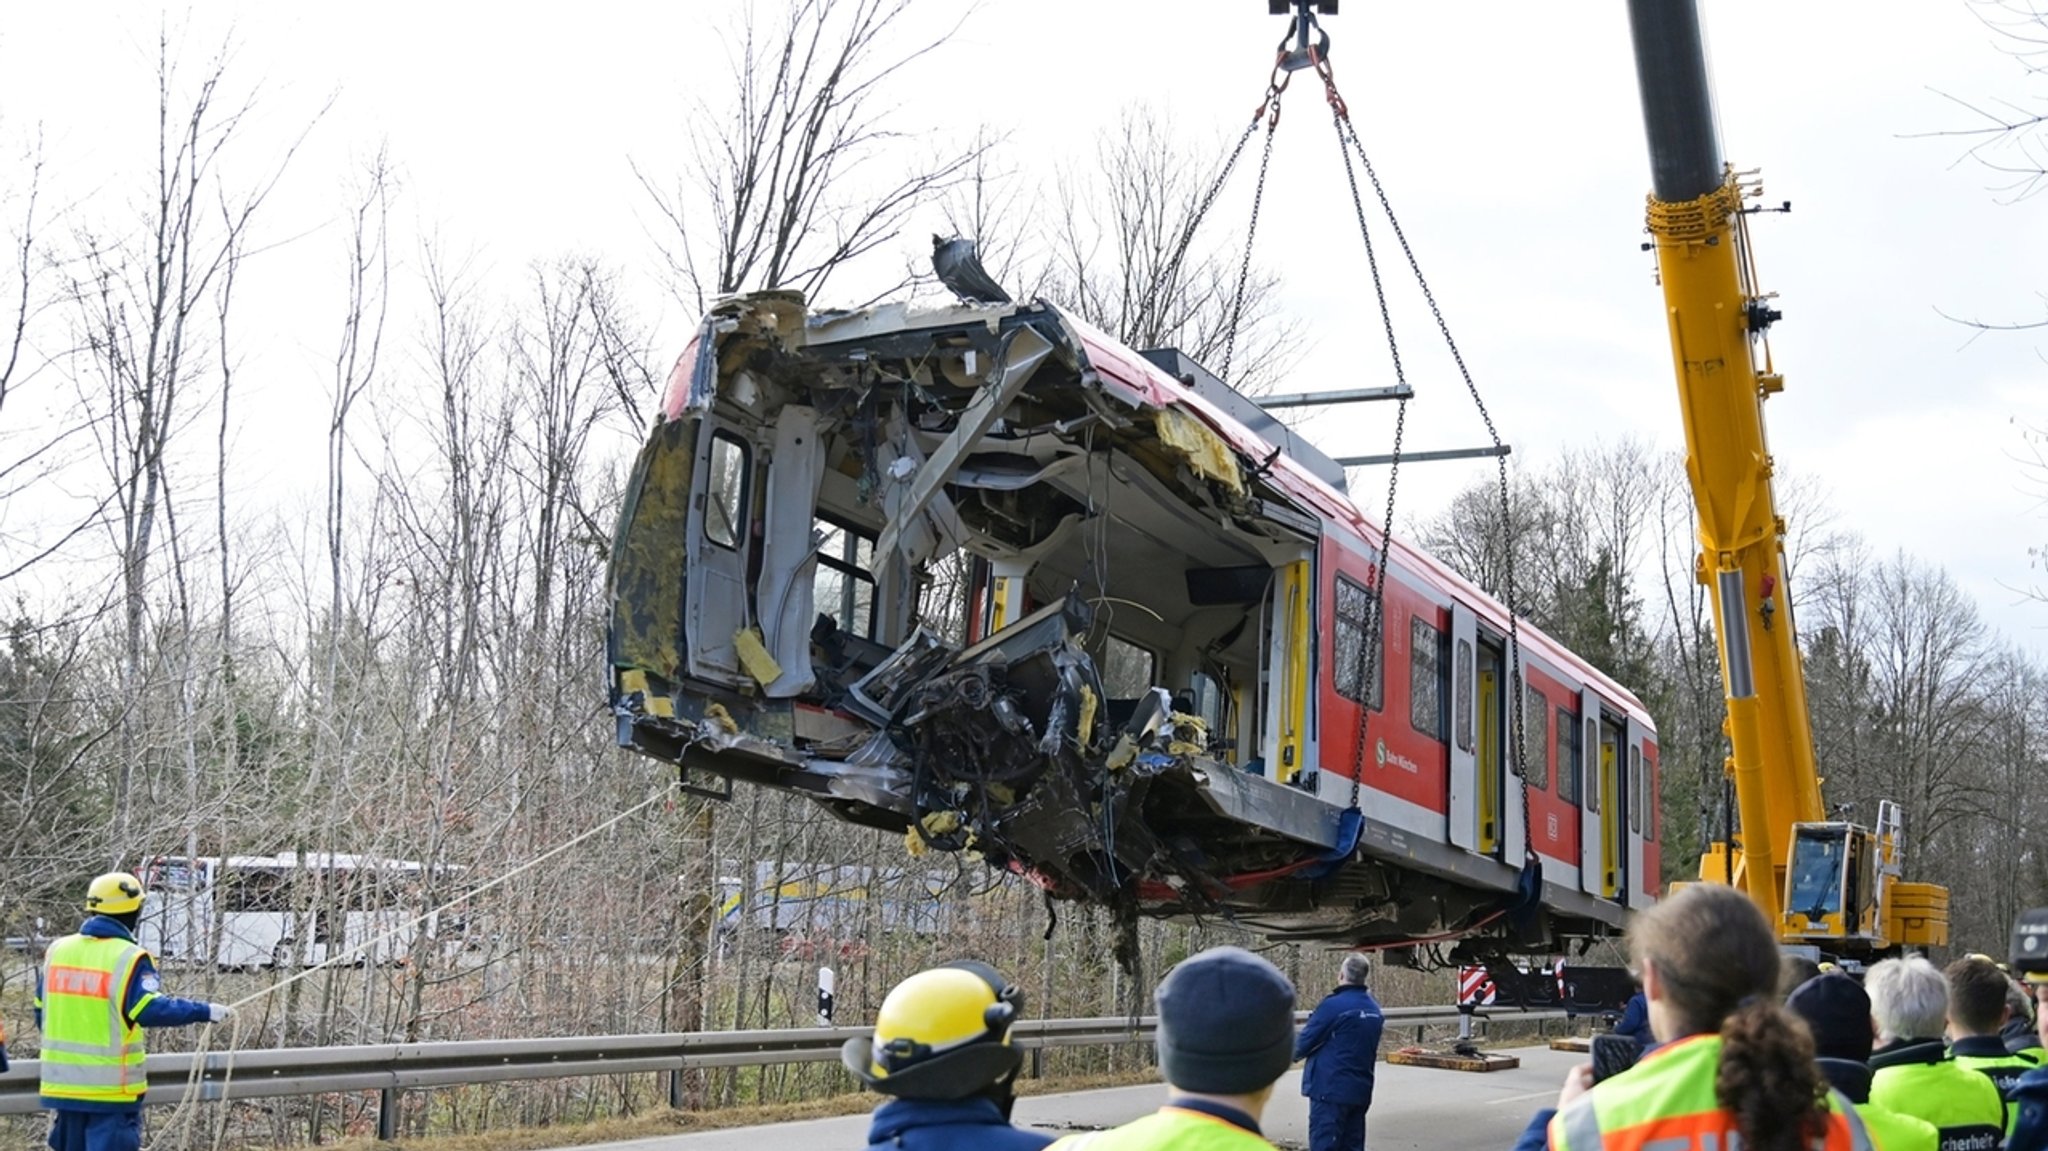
x: 754, y: 657
x: 716, y: 715
x: 1198, y: 444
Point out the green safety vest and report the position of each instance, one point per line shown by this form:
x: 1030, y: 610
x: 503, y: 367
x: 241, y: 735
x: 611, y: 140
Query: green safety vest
x: 1895, y: 1132
x: 1964, y: 1105
x: 1168, y: 1129
x: 1667, y: 1100
x: 2003, y: 1071
x: 92, y: 1052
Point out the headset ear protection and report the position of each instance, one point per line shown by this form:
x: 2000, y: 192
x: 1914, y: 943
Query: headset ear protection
x: 1009, y: 1005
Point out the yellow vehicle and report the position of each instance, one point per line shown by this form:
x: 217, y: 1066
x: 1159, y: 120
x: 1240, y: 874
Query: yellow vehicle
x: 1833, y: 885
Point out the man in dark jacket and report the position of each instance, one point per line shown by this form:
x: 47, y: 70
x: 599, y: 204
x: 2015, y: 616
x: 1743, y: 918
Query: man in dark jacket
x: 1341, y: 1041
x: 1837, y: 1012
x: 1635, y: 1022
x: 942, y: 1049
x: 2030, y: 1094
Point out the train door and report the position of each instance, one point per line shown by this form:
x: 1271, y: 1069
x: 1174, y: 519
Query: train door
x: 1613, y: 843
x: 1490, y: 760
x: 1592, y: 870
x: 715, y: 589
x: 1464, y: 779
x: 1514, y: 813
x: 1640, y: 801
x: 787, y: 605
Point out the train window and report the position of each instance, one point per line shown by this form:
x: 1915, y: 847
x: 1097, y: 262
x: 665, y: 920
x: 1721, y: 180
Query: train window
x: 1635, y: 788
x: 843, y: 585
x: 1461, y: 696
x: 1425, y: 678
x: 1209, y: 701
x: 1567, y: 756
x: 728, y: 497
x: 1649, y: 800
x: 1535, y: 738
x: 1589, y: 759
x: 1354, y: 615
x: 1126, y: 669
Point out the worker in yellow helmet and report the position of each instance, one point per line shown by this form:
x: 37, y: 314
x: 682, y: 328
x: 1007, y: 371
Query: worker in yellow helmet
x: 942, y: 1049
x: 95, y: 993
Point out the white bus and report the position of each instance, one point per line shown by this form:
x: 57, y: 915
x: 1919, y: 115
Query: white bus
x: 245, y: 912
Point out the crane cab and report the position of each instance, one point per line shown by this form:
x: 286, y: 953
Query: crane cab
x: 1832, y: 884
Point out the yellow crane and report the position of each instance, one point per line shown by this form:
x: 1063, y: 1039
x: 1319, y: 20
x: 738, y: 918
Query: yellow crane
x: 1835, y: 885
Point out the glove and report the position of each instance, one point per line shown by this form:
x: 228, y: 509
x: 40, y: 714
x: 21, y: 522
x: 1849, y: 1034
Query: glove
x: 218, y: 1012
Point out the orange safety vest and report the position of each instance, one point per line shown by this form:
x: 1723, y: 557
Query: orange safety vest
x: 1670, y: 1096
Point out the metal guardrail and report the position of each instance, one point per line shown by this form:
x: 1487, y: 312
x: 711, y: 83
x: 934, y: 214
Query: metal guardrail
x: 390, y: 1068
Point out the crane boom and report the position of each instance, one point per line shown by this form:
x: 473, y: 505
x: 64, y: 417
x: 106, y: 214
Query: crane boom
x: 1843, y: 876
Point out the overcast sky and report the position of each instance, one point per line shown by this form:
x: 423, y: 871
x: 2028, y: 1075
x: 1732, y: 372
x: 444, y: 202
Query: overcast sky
x: 1507, y: 134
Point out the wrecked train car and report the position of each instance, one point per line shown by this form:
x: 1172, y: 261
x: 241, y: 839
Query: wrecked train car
x: 980, y: 575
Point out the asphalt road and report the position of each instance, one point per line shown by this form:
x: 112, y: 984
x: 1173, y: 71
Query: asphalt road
x: 1413, y: 1109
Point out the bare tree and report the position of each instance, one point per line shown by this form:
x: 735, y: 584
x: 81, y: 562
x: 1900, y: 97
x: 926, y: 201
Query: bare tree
x: 805, y: 171
x: 2004, y: 135
x: 1127, y: 251
x: 138, y: 297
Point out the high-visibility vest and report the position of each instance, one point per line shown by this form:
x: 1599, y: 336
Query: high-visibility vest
x: 1168, y: 1129
x: 1670, y: 1096
x: 1895, y: 1132
x: 91, y: 1053
x: 2004, y: 1071
x: 1963, y: 1105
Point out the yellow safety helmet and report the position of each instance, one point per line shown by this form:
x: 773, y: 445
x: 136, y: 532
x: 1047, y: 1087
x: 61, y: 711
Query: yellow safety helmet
x: 115, y: 893
x: 941, y: 1034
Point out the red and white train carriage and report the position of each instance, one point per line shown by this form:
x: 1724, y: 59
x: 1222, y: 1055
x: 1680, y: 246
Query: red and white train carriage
x: 982, y: 575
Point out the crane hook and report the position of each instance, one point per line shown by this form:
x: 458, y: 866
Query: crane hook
x: 1302, y: 54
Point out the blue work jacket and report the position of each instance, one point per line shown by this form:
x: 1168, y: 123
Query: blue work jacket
x: 1341, y: 1042
x: 973, y: 1124
x: 2030, y: 1129
x: 1635, y: 1022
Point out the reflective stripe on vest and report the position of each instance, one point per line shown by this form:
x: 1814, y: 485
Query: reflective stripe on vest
x: 1964, y: 1105
x: 1168, y: 1129
x: 91, y: 1052
x: 1667, y: 1103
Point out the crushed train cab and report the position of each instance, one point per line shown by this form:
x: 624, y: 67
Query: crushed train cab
x: 983, y: 576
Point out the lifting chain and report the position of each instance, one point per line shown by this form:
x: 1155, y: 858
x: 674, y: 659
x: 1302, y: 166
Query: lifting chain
x: 1348, y: 142
x: 1371, y: 650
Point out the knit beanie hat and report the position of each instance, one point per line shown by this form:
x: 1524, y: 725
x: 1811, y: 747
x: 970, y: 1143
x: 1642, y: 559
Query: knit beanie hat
x: 1226, y: 1023
x: 1837, y: 1011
